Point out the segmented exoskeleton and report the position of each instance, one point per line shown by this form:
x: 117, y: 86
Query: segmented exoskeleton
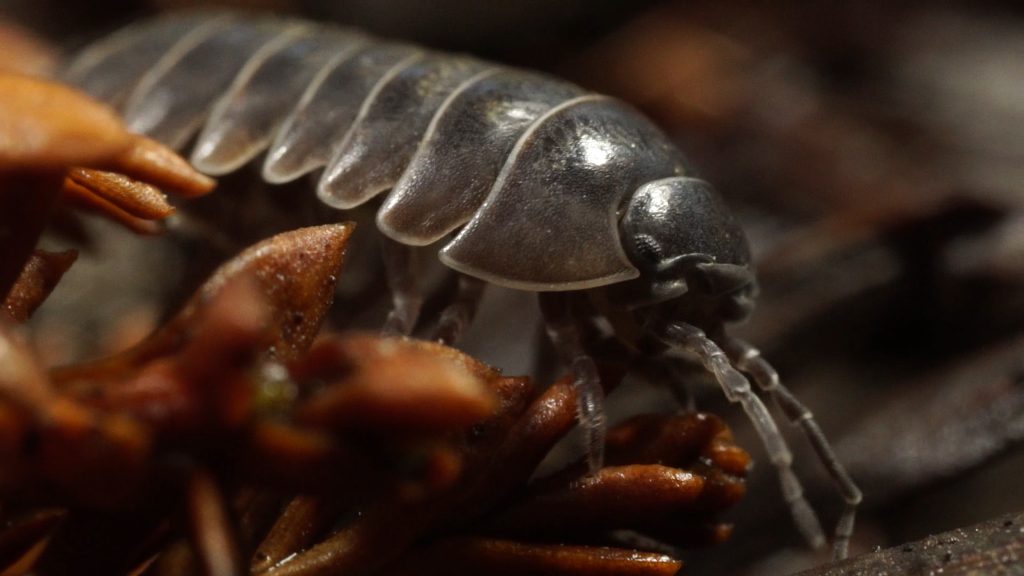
x: 546, y: 187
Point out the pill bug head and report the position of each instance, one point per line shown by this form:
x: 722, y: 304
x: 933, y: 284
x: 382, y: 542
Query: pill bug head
x: 688, y: 247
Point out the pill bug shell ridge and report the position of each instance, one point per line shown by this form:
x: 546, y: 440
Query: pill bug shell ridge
x: 529, y: 172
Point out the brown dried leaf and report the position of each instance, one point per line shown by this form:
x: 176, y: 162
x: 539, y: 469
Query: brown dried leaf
x: 395, y: 384
x: 40, y: 276
x: 297, y: 452
x: 256, y: 510
x: 90, y: 459
x: 213, y: 536
x: 613, y: 497
x: 295, y: 273
x: 84, y: 198
x: 279, y: 455
x: 150, y: 161
x: 134, y: 197
x: 503, y: 453
x: 23, y: 53
x: 48, y: 126
x: 204, y: 388
x: 300, y: 522
x: 23, y: 382
x: 21, y: 533
x: 676, y: 440
x: 89, y: 542
x: 24, y: 395
x: 96, y: 460
x: 176, y: 559
x: 45, y: 128
x: 665, y: 478
x: 470, y: 555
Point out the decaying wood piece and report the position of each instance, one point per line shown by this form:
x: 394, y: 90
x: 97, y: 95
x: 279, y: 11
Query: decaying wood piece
x: 994, y: 548
x: 964, y: 415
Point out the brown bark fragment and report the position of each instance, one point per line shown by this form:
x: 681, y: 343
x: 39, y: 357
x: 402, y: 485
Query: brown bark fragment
x: 993, y: 548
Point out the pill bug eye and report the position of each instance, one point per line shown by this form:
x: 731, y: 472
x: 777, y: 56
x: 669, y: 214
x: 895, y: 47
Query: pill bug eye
x: 649, y: 251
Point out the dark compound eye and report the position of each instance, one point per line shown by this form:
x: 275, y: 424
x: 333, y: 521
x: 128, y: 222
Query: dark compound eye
x: 648, y: 249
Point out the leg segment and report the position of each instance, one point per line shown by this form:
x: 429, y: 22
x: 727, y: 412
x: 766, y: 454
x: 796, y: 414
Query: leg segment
x: 737, y: 389
x: 459, y: 314
x: 749, y: 359
x: 400, y: 268
x: 564, y: 334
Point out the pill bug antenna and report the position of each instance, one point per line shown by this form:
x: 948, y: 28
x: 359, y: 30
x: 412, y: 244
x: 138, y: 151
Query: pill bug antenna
x: 749, y: 360
x: 737, y: 389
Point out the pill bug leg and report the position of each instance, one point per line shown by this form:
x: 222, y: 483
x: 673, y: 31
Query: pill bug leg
x: 400, y: 265
x: 737, y: 389
x: 749, y: 360
x: 563, y: 330
x: 459, y: 313
x: 400, y: 270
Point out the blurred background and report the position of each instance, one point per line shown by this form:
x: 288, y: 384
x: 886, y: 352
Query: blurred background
x: 874, y: 152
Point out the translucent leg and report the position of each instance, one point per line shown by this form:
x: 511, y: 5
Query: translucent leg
x: 458, y: 315
x: 400, y: 268
x: 564, y: 334
x: 737, y: 389
x: 749, y: 359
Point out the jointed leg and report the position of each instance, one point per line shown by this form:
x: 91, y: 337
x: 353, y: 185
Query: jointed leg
x: 737, y: 389
x: 749, y: 359
x: 564, y: 334
x: 459, y: 314
x: 400, y: 268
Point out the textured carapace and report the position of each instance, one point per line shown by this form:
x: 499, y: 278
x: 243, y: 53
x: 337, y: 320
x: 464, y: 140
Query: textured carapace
x: 460, y: 145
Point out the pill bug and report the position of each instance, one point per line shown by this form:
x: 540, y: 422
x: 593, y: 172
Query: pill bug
x: 539, y: 184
